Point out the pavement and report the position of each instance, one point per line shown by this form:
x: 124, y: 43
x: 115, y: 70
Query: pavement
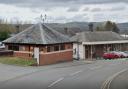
x: 72, y: 75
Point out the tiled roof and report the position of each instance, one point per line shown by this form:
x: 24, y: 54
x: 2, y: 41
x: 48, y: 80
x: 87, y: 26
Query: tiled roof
x: 96, y: 36
x: 38, y: 34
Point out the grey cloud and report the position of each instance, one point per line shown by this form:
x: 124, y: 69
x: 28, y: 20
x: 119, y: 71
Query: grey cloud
x: 60, y: 18
x: 77, y: 17
x: 51, y: 3
x: 96, y: 9
x: 73, y: 9
x: 118, y: 8
x: 99, y: 17
x: 112, y: 16
x: 80, y: 17
x: 35, y: 10
x: 86, y: 9
x: 113, y: 8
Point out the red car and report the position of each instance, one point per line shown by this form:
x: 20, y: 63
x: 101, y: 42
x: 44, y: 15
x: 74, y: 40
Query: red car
x: 112, y: 55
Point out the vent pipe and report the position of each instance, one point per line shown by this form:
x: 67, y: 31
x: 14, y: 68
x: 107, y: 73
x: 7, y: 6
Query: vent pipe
x: 90, y: 27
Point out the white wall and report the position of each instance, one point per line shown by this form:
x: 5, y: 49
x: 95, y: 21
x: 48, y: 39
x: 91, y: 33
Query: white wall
x: 79, y: 51
x: 75, y: 50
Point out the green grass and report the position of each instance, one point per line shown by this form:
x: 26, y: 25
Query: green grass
x: 125, y: 58
x: 17, y: 61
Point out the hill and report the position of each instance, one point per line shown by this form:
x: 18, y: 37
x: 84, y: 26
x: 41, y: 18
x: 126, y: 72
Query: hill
x: 71, y: 28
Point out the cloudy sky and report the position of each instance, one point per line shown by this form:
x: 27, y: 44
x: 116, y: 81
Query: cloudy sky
x: 64, y: 10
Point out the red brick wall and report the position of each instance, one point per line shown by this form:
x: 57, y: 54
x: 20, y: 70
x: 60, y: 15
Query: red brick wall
x: 55, y: 57
x: 25, y: 55
x: 46, y: 57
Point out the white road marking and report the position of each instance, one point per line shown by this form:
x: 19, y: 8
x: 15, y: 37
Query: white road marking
x: 107, y: 83
x: 76, y: 73
x: 97, y: 67
x: 60, y: 79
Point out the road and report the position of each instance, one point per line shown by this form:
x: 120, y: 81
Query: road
x: 84, y: 76
x: 120, y: 82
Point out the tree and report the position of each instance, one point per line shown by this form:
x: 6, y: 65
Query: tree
x: 115, y: 28
x: 100, y: 28
x: 109, y: 26
x: 5, y: 31
x: 4, y: 35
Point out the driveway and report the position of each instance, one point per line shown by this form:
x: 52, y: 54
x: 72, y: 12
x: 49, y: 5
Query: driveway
x: 77, y: 75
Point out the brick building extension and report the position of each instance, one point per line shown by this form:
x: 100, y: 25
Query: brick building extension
x: 41, y: 42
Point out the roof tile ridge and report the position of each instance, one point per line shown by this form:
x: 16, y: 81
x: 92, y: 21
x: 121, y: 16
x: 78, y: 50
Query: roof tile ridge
x: 42, y: 33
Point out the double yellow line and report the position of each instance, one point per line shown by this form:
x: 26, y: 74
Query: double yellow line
x: 107, y: 83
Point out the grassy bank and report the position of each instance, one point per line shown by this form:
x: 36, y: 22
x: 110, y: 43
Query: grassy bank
x: 16, y: 61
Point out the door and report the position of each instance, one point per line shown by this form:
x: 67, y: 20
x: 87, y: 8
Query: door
x: 87, y: 52
x: 36, y: 54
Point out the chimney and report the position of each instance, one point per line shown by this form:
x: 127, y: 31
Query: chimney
x: 17, y: 28
x: 90, y: 27
x: 66, y: 30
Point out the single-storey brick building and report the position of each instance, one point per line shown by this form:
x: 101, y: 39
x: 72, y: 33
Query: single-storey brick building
x: 42, y: 43
x: 89, y: 45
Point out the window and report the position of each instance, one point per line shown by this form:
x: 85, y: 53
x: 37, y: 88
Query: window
x: 69, y: 46
x: 41, y: 49
x: 10, y: 47
x: 56, y: 48
x: 62, y: 47
x: 13, y: 47
x: 48, y: 49
x: 22, y: 48
x: 31, y: 48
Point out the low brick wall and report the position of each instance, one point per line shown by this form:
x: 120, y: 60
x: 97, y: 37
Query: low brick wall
x: 56, y: 57
x: 6, y: 53
x: 25, y: 55
x: 48, y: 58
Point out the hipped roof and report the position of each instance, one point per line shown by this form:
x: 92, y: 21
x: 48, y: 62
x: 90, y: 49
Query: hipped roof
x: 38, y: 34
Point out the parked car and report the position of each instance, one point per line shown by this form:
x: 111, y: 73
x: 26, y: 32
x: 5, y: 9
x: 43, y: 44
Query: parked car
x: 2, y: 46
x: 112, y: 55
x: 123, y: 54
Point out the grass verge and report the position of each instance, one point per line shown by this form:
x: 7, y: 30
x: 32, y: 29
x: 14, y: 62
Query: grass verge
x: 17, y: 61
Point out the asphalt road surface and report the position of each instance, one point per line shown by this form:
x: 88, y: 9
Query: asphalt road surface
x: 85, y: 76
x: 120, y: 82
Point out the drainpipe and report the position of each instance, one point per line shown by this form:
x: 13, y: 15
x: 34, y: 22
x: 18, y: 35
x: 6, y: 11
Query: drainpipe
x: 91, y: 53
x: 78, y: 56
